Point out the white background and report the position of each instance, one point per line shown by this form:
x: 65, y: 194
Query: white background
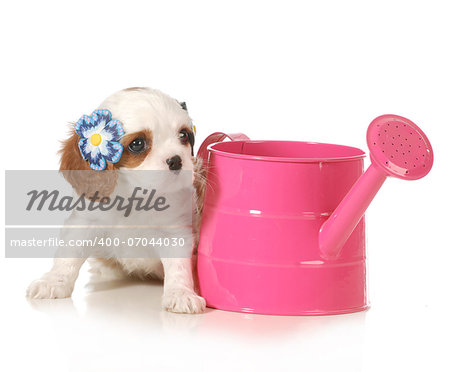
x: 320, y: 71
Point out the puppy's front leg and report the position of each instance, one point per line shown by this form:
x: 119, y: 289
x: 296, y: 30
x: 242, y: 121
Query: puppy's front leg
x: 59, y: 281
x: 179, y: 295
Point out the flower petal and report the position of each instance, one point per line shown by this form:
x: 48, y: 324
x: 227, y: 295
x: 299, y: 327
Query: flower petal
x: 92, y: 154
x: 97, y: 161
x: 110, y: 131
x: 115, y: 128
x: 112, y: 151
x: 99, y: 124
x: 82, y: 143
x: 103, y: 115
x: 92, y: 149
x: 84, y: 124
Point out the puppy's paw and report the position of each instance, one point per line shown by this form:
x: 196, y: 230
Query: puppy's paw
x: 183, y: 301
x: 50, y: 287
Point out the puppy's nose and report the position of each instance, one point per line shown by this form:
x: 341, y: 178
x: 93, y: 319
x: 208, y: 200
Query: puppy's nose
x: 174, y: 162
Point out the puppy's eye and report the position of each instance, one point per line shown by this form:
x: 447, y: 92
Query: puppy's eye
x: 137, y: 146
x: 183, y: 136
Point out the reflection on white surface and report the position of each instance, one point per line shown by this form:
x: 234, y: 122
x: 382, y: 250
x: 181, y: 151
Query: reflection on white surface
x: 120, y: 324
x: 117, y: 325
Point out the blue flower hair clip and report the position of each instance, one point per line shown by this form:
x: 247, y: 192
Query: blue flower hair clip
x: 99, y: 140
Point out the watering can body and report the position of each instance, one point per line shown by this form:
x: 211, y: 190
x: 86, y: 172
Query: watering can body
x: 264, y: 207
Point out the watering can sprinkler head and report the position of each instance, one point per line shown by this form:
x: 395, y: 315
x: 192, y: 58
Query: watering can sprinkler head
x: 398, y: 148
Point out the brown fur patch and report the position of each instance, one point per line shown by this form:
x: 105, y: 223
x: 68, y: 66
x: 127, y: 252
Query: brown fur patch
x: 191, y: 133
x: 199, y: 196
x: 128, y: 159
x: 199, y: 189
x: 89, y: 181
x: 79, y: 174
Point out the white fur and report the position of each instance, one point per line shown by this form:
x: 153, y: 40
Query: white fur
x: 154, y: 110
x: 137, y: 110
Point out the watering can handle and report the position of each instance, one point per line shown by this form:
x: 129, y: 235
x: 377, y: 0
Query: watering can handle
x: 202, y: 152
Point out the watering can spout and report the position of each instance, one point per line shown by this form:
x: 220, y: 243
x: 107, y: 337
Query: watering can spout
x: 339, y: 226
x: 398, y: 148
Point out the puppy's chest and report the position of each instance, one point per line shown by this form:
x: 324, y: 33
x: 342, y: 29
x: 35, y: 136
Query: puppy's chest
x: 128, y: 216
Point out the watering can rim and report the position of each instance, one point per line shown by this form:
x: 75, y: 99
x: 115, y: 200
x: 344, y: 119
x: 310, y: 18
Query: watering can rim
x: 361, y: 155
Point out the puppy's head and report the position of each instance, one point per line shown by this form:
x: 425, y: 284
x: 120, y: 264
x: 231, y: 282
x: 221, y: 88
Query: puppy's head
x: 158, y: 136
x: 158, y: 130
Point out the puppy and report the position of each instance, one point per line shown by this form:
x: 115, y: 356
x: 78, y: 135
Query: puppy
x: 158, y: 135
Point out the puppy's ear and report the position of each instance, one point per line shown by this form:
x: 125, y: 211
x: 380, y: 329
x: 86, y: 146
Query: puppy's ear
x: 79, y: 174
x: 183, y: 106
x: 191, y: 135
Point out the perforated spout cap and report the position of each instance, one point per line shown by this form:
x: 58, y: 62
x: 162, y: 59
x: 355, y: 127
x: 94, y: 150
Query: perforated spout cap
x: 399, y: 147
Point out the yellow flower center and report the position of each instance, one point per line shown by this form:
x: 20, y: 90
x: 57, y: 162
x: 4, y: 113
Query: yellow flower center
x: 96, y: 139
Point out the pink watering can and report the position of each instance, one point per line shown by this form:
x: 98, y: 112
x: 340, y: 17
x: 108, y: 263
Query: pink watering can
x: 283, y: 228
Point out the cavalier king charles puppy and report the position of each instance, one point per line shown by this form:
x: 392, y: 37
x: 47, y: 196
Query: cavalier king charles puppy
x: 158, y: 135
